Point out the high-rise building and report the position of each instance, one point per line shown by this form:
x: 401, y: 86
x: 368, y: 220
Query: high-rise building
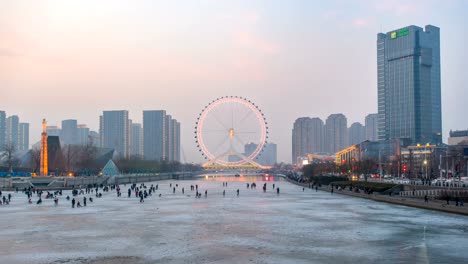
x: 53, y: 131
x: 69, y: 134
x: 409, y: 86
x: 115, y: 132
x: 177, y: 146
x: 168, y: 138
x: 307, y: 137
x: 268, y: 156
x: 23, y: 142
x: 2, y: 129
x: 136, y: 141
x: 356, y: 133
x: 154, y: 129
x: 83, y: 134
x: 336, y: 133
x: 12, y: 131
x: 371, y: 127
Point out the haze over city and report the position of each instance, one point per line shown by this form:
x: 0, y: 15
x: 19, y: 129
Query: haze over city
x: 72, y: 60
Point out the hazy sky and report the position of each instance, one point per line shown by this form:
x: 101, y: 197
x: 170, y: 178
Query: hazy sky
x: 73, y: 59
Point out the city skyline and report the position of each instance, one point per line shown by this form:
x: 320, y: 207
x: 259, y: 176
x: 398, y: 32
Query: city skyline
x: 275, y: 60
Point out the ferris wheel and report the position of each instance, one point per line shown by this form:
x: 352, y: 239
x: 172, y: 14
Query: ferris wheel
x: 231, y: 131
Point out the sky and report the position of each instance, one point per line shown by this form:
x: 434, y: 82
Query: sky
x: 73, y: 59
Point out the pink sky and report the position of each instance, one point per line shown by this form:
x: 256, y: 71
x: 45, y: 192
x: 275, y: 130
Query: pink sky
x: 74, y: 59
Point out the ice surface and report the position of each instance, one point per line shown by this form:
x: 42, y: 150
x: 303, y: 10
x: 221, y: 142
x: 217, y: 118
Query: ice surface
x: 256, y: 227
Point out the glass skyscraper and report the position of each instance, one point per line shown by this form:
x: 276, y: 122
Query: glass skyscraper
x: 409, y: 89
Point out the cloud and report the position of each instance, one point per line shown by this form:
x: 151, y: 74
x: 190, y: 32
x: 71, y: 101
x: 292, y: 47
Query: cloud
x: 255, y: 42
x: 360, y: 22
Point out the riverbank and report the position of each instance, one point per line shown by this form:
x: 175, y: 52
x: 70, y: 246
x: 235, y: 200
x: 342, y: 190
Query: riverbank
x: 436, y: 205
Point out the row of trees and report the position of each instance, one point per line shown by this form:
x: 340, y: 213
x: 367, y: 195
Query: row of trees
x: 83, y: 160
x: 365, y: 167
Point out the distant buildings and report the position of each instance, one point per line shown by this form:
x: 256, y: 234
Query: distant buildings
x: 268, y: 157
x: 23, y: 136
x: 69, y: 134
x: 115, y: 132
x: 13, y: 133
x: 154, y: 138
x: 409, y: 86
x: 136, y: 144
x: 371, y: 123
x: 308, y: 136
x: 161, y: 136
x: 82, y: 134
x: 336, y: 133
x: 356, y: 133
x: 458, y: 137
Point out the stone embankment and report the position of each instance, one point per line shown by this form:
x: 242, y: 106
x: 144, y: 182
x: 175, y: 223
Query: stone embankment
x: 432, y: 204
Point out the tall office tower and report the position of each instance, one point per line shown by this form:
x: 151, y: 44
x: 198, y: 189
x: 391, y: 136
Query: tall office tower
x: 69, y: 134
x: 307, y: 137
x: 116, y: 130
x: 356, y: 133
x: 268, y: 157
x: 2, y: 129
x: 154, y: 128
x: 137, y: 141
x: 12, y: 131
x: 83, y: 134
x: 336, y: 133
x: 409, y: 87
x: 371, y: 127
x: 23, y: 135
x: 53, y: 131
x: 168, y: 138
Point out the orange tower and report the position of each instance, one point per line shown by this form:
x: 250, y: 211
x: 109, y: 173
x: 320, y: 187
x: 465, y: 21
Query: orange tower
x: 44, y: 153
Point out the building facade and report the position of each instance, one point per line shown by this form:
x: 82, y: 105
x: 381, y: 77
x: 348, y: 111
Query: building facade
x: 116, y: 132
x: 356, y: 133
x: 308, y: 136
x: 23, y: 136
x: 458, y: 137
x: 154, y: 134
x: 83, y: 134
x: 336, y: 131
x: 137, y: 141
x: 268, y: 156
x: 69, y: 134
x: 409, y: 84
x: 372, y: 121
x: 12, y: 131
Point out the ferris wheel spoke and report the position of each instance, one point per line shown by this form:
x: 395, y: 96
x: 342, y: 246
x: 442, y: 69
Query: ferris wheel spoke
x: 219, y: 121
x: 239, y: 140
x: 219, y: 145
x: 216, y: 131
x: 246, y: 132
x: 245, y: 117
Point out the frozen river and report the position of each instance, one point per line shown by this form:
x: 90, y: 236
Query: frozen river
x: 295, y: 226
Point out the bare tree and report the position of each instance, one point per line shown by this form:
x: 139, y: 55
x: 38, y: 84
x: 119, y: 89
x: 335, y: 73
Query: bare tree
x: 70, y: 152
x: 9, y: 155
x: 35, y: 159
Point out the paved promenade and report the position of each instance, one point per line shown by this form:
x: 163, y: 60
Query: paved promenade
x: 419, y: 203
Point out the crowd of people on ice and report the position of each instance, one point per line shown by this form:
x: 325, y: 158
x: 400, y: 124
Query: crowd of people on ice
x: 141, y: 191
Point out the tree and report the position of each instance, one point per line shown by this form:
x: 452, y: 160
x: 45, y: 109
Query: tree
x: 9, y: 155
x: 35, y: 159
